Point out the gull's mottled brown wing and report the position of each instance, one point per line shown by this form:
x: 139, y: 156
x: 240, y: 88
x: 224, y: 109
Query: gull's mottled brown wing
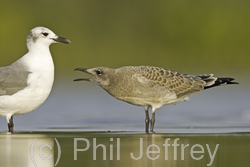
x: 180, y: 84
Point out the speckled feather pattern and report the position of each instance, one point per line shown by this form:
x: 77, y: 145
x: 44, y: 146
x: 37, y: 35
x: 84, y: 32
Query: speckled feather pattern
x: 150, y: 86
x: 155, y: 78
x: 147, y: 85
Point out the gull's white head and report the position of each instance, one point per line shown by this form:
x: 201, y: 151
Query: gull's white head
x: 44, y: 36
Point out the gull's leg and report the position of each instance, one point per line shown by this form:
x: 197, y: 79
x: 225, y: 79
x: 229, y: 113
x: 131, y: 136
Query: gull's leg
x: 146, y: 119
x: 152, y: 121
x: 10, y: 123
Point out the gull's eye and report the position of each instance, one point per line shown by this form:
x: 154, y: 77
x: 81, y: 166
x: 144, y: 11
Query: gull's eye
x: 98, y: 72
x: 45, y: 34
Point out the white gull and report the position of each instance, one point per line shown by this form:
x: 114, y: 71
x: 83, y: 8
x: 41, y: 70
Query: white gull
x: 26, y: 84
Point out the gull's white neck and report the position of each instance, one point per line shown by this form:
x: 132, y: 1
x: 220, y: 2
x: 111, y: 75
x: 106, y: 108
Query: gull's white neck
x: 38, y: 57
x: 38, y: 61
x: 36, y: 47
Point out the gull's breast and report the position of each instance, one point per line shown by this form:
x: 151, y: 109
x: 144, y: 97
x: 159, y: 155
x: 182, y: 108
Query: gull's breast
x: 39, y: 84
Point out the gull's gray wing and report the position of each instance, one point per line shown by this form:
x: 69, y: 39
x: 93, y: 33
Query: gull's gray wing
x: 180, y: 84
x: 12, y: 79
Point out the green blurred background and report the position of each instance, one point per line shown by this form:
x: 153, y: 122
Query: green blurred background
x: 193, y: 36
x: 186, y: 36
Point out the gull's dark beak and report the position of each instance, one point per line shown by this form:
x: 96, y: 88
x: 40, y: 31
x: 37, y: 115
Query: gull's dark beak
x: 83, y: 70
x: 81, y: 79
x: 62, y: 40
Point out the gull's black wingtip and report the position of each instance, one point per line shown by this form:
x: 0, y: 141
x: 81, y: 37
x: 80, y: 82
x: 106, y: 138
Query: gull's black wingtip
x: 222, y: 81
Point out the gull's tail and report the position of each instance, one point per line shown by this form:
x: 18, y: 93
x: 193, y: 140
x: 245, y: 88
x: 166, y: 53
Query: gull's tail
x: 213, y: 81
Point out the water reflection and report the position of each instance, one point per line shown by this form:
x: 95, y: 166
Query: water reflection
x: 124, y: 149
x: 26, y: 150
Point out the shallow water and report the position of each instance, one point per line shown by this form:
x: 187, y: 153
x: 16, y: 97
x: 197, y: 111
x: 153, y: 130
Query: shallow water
x: 217, y: 117
x: 87, y: 107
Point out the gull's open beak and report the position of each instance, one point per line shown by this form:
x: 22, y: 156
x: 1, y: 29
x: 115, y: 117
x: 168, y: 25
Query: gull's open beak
x: 83, y: 70
x: 62, y: 40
